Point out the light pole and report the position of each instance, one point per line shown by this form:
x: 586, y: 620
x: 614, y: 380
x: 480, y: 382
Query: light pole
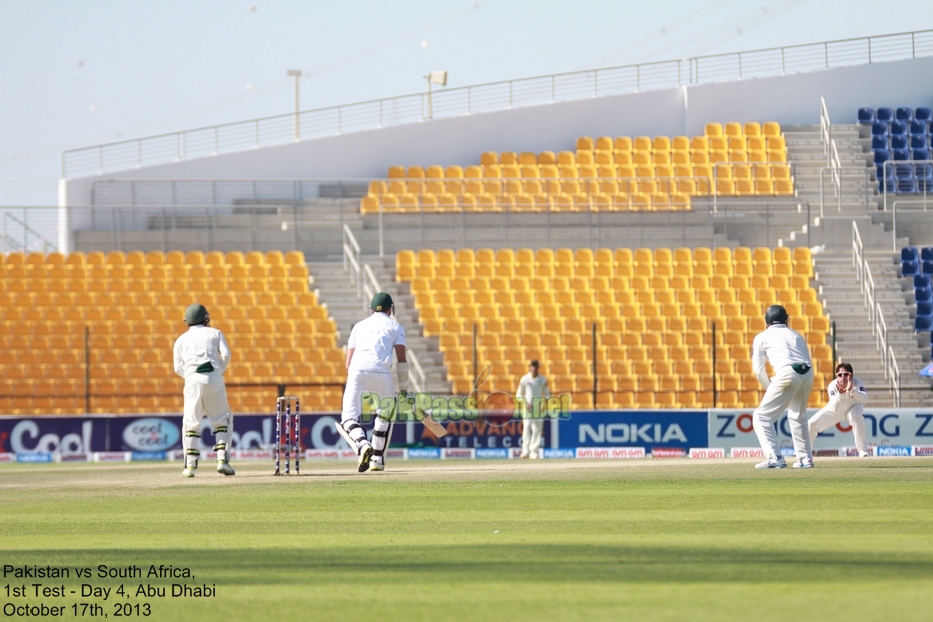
x: 295, y: 73
x: 435, y: 77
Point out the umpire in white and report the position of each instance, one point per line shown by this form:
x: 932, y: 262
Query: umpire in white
x: 369, y: 370
x: 201, y: 358
x: 532, y: 385
x: 789, y: 389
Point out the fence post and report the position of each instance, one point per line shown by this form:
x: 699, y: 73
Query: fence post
x: 833, y: 333
x: 595, y: 382
x: 474, y: 355
x: 715, y: 394
x: 87, y: 370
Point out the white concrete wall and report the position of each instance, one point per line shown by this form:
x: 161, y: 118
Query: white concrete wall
x: 790, y: 99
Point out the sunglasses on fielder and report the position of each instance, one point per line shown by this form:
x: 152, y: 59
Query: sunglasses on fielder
x: 843, y: 374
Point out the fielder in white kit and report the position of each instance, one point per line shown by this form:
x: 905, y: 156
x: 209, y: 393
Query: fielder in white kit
x: 201, y: 358
x: 369, y: 370
x: 530, y: 386
x: 789, y: 389
x: 847, y: 395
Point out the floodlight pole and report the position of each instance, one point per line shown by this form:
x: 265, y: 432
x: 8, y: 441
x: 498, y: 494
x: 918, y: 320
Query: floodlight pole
x: 295, y: 73
x: 429, y: 113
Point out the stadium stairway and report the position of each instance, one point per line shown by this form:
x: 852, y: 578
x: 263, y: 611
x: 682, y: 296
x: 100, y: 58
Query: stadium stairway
x: 806, y: 151
x: 333, y: 287
x: 838, y: 287
x: 311, y: 226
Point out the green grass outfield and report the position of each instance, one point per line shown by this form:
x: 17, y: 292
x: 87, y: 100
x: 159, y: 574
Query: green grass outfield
x: 553, y: 540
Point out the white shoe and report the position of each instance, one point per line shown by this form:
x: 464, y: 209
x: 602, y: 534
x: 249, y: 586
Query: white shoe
x: 864, y: 454
x: 224, y: 468
x: 771, y: 463
x: 188, y: 472
x: 366, y: 455
x: 804, y: 463
x: 376, y: 466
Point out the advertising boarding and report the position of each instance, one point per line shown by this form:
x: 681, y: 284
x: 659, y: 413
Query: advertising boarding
x: 884, y: 427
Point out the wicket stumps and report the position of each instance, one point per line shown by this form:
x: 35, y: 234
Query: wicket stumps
x: 283, y: 407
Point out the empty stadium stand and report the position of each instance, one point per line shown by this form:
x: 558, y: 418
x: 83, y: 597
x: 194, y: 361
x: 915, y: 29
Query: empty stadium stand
x: 901, y: 136
x: 652, y: 310
x: 605, y: 174
x: 131, y: 306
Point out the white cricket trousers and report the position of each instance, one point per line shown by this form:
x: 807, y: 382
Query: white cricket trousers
x: 206, y: 396
x: 788, y: 390
x: 827, y: 417
x: 358, y: 383
x: 532, y: 437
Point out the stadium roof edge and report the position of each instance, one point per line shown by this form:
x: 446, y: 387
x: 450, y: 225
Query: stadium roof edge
x: 419, y: 107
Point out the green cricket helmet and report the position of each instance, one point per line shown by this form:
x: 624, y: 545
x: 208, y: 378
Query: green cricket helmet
x: 196, y: 314
x: 382, y: 302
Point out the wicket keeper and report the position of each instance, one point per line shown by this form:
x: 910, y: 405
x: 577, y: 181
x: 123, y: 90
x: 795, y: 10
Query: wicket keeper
x: 201, y: 358
x: 369, y: 370
x: 847, y: 396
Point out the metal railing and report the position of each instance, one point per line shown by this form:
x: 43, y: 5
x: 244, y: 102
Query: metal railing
x: 351, y: 260
x: 379, y: 113
x: 894, y: 245
x: 11, y: 242
x: 367, y: 286
x: 837, y: 173
x: 879, y: 327
x: 826, y: 131
x: 892, y: 166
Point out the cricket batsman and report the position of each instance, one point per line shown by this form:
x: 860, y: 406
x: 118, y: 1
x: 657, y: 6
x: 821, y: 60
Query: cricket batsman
x: 201, y: 358
x: 847, y: 395
x: 369, y: 370
x: 789, y: 389
x: 532, y: 385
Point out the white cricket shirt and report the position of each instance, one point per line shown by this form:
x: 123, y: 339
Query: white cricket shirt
x: 530, y: 387
x: 842, y: 402
x: 201, y: 344
x: 780, y: 346
x: 373, y: 340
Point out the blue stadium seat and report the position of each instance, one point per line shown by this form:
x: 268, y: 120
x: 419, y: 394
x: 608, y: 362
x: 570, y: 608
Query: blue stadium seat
x: 866, y: 115
x: 917, y: 141
x: 881, y: 142
x: 885, y: 115
x: 925, y: 184
x: 906, y: 186
x: 920, y: 154
x: 910, y: 253
x: 923, y: 114
x: 922, y: 281
x: 926, y: 253
x: 926, y: 267
x: 887, y: 185
x: 923, y: 295
x: 904, y: 114
x: 884, y: 172
x: 881, y: 155
x: 900, y: 141
x: 925, y: 308
x: 898, y: 127
x: 902, y: 171
x: 910, y: 268
x: 879, y: 128
x: 918, y: 128
x: 923, y: 322
x: 900, y: 154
